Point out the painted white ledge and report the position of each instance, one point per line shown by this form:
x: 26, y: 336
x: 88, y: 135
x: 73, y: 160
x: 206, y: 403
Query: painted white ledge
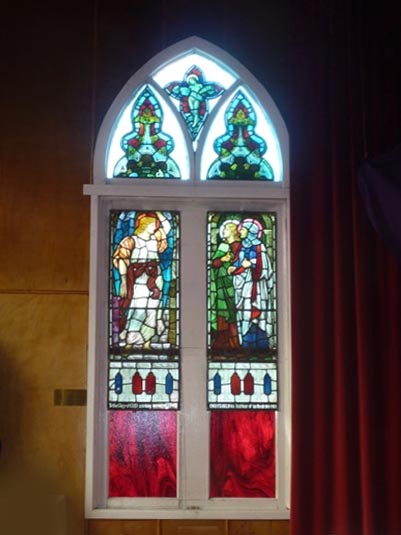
x: 190, y: 514
x: 180, y: 189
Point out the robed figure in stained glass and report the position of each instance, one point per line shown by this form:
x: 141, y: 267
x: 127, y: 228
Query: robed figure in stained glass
x: 193, y: 94
x: 241, y: 286
x: 253, y: 281
x: 223, y: 308
x: 144, y: 321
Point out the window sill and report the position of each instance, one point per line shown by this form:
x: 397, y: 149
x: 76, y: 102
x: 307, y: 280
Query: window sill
x: 232, y: 512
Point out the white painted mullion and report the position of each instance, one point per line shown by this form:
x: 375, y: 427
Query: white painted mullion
x: 194, y: 416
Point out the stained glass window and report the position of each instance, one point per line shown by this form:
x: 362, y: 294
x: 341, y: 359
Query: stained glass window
x: 240, y: 149
x: 195, y: 84
x: 147, y: 149
x: 144, y: 312
x: 238, y: 140
x: 147, y: 141
x: 142, y: 454
x: 242, y: 334
x: 193, y: 94
x: 184, y: 297
x: 242, y: 454
x: 241, y: 143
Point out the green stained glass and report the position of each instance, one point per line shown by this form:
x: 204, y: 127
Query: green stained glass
x: 143, y: 310
x: 147, y: 149
x: 193, y: 94
x: 240, y: 150
x: 242, y: 285
x: 242, y: 306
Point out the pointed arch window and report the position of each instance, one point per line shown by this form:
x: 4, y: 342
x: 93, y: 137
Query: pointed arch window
x: 188, y: 409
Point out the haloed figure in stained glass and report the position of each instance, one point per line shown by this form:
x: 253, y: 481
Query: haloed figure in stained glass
x: 253, y: 281
x: 193, y: 93
x: 223, y: 307
x: 137, y: 259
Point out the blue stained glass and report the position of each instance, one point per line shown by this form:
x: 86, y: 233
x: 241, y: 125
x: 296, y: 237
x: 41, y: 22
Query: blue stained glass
x: 217, y: 384
x: 240, y: 150
x: 193, y: 94
x: 118, y: 383
x: 267, y: 384
x: 147, y: 148
x: 169, y: 384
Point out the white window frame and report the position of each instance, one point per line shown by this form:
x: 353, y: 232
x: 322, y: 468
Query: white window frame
x: 192, y: 199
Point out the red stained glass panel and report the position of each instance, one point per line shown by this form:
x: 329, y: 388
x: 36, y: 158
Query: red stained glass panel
x: 137, y: 384
x: 248, y: 385
x: 242, y: 453
x: 235, y: 385
x: 150, y: 383
x: 142, y: 454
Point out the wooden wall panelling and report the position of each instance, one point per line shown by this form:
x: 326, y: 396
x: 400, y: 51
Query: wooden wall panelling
x: 188, y: 527
x: 193, y: 527
x: 123, y: 527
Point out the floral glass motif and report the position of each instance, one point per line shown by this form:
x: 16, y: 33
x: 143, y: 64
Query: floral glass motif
x: 147, y: 148
x: 242, y: 304
x: 143, y: 325
x: 240, y: 150
x: 193, y: 94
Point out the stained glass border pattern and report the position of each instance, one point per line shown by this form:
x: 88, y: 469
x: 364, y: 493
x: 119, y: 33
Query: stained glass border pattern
x: 144, y: 385
x: 245, y: 385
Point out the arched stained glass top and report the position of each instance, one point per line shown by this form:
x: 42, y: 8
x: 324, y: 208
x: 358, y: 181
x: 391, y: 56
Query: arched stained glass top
x: 194, y: 82
x: 193, y: 114
x: 241, y: 143
x: 148, y: 141
x: 212, y: 70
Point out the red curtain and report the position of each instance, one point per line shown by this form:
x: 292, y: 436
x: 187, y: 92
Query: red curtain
x: 345, y: 105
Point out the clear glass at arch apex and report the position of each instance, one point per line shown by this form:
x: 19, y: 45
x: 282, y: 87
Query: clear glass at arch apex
x: 241, y: 143
x: 147, y: 141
